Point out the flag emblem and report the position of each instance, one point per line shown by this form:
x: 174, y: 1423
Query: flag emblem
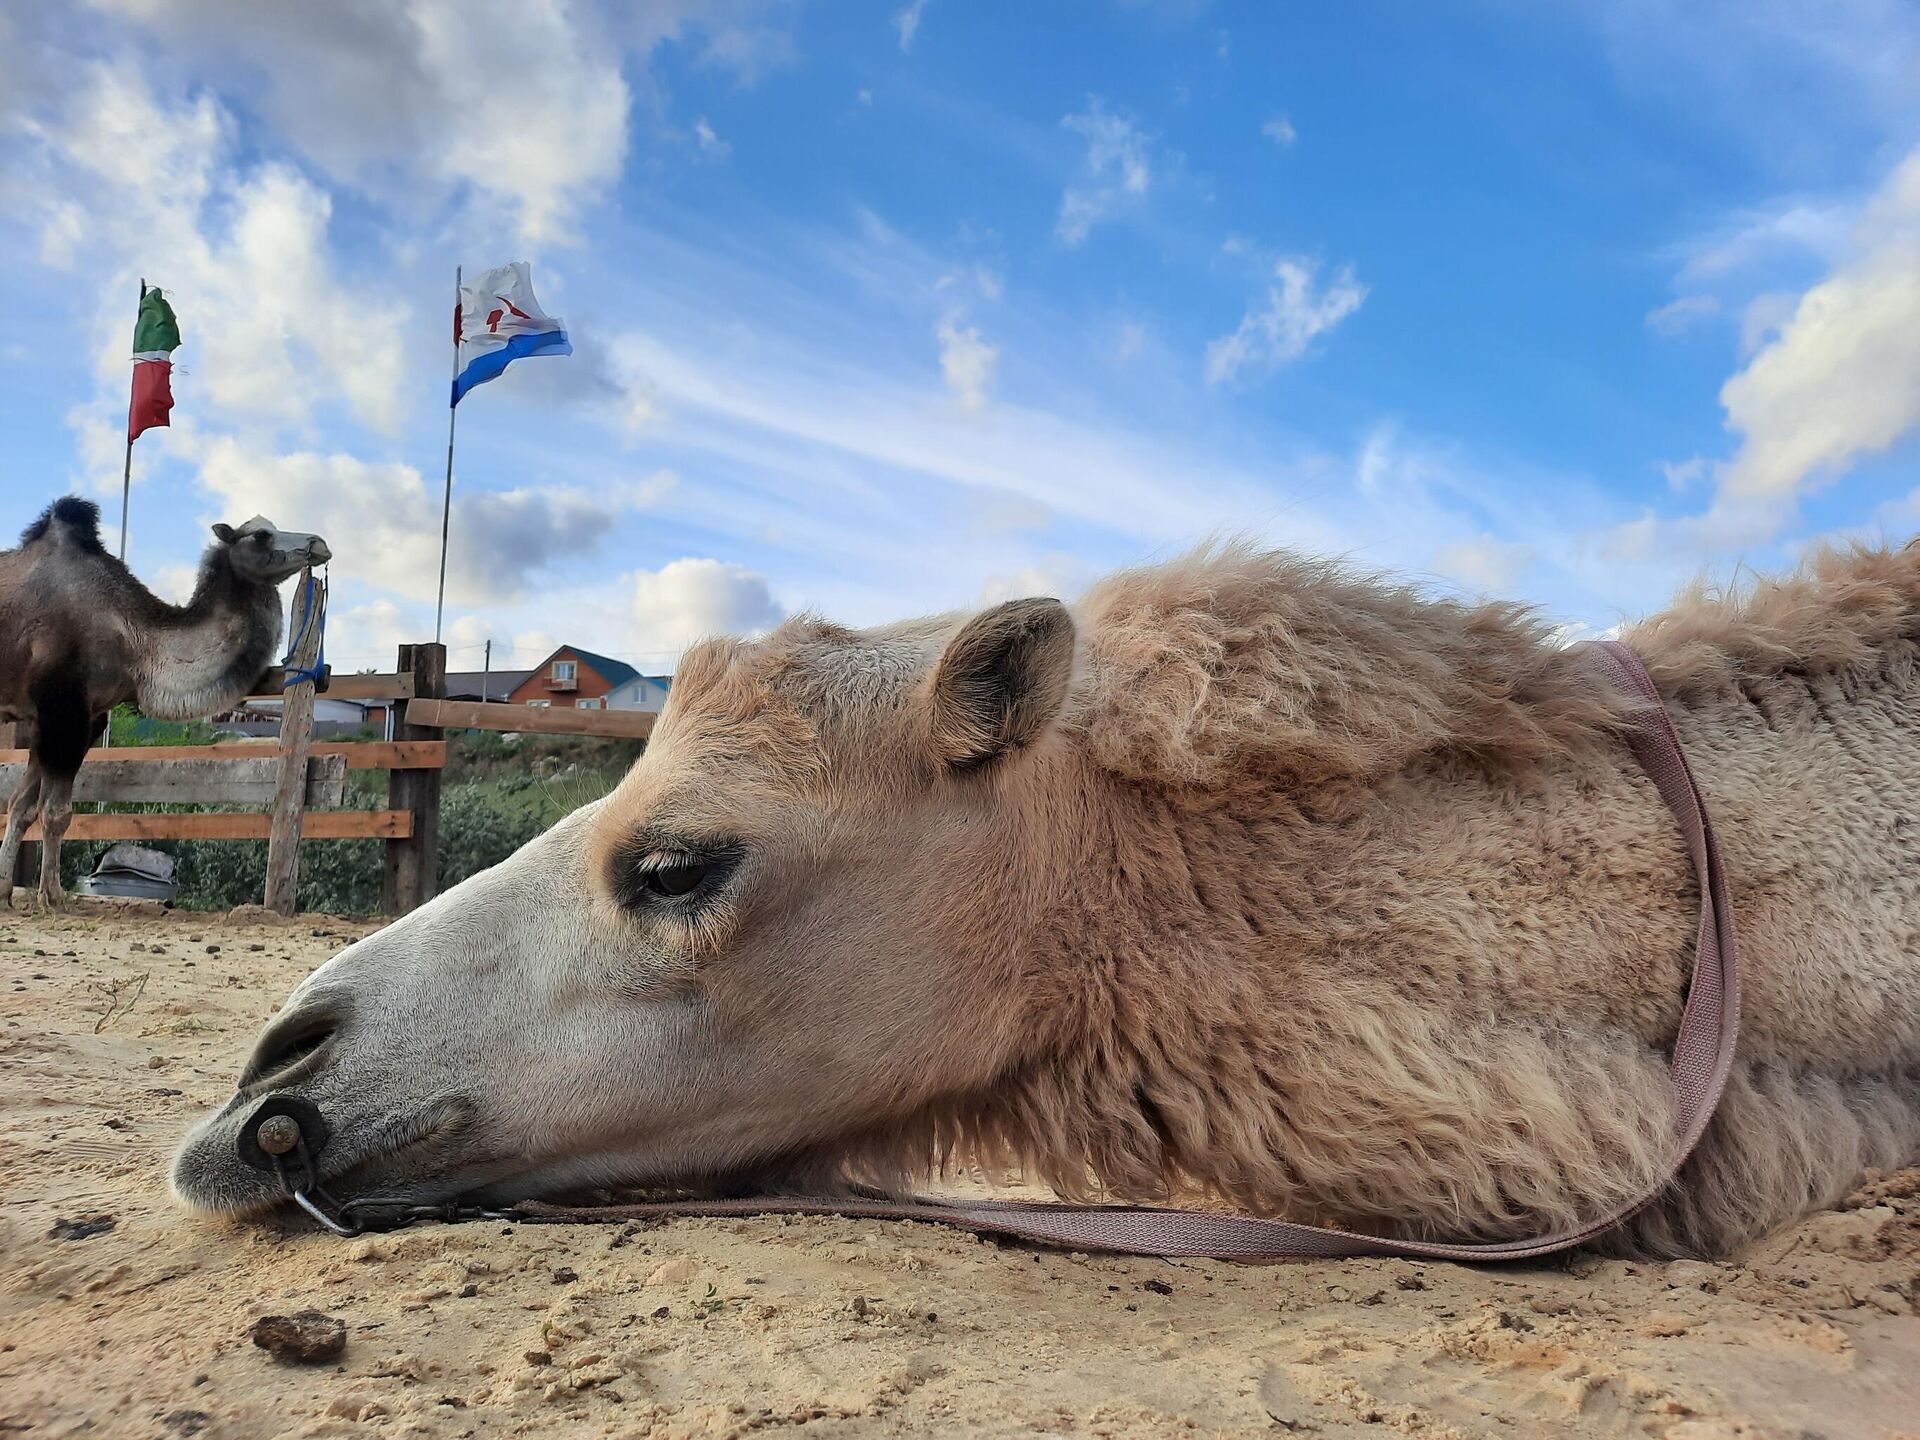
x: 497, y: 322
x: 156, y: 335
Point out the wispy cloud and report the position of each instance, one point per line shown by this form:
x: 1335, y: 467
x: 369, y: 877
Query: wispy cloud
x: 1115, y: 176
x: 967, y: 362
x: 711, y: 145
x: 1293, y: 314
x: 1678, y: 316
x: 906, y: 21
x: 1280, y: 130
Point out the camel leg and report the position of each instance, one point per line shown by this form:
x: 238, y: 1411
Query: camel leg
x: 61, y: 738
x: 56, y: 809
x: 20, y: 812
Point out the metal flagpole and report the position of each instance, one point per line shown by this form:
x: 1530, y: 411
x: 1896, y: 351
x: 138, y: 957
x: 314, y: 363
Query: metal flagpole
x: 126, y: 468
x: 446, y: 502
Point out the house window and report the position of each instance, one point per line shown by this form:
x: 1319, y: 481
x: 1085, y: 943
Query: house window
x: 539, y: 704
x: 563, y: 670
x: 586, y: 704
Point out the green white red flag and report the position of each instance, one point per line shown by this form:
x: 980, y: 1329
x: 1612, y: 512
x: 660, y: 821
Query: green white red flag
x: 156, y: 334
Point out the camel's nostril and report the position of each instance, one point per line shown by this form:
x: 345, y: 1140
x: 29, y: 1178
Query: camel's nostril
x: 288, y: 1044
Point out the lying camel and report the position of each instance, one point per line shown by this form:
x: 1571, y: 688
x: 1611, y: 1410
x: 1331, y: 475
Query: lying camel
x: 1245, y: 878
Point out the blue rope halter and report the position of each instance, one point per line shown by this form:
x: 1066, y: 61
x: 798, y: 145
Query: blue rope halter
x: 313, y: 611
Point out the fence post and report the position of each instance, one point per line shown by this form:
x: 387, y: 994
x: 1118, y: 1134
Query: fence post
x: 296, y: 739
x: 412, y: 872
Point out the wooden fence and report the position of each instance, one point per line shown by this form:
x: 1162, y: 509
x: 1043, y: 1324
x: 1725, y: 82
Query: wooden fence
x: 300, y: 783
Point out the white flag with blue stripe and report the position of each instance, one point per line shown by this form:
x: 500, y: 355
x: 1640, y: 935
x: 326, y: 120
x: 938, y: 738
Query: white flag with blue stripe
x: 499, y: 322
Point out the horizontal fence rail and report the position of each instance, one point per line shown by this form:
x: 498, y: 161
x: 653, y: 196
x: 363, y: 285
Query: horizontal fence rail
x: 359, y: 754
x: 111, y: 778
x: 341, y: 687
x: 530, y: 719
x: 239, y: 825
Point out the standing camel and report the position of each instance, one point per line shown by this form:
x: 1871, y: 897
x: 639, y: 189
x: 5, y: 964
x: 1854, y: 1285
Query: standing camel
x: 79, y: 635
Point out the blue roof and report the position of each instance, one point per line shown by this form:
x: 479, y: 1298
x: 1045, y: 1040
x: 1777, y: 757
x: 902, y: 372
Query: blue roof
x: 614, y: 672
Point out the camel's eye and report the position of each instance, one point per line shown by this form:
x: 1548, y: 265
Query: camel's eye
x: 658, y: 876
x: 681, y: 877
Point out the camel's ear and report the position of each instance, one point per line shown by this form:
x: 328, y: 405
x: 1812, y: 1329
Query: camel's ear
x: 1001, y: 681
x: 224, y: 534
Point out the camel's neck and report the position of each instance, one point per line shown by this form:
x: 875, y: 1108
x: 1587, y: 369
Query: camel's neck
x: 203, y: 657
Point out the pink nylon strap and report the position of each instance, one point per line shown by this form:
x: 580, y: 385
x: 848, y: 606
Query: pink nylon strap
x: 1702, y: 1057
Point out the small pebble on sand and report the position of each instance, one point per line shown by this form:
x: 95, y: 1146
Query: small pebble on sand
x: 308, y: 1337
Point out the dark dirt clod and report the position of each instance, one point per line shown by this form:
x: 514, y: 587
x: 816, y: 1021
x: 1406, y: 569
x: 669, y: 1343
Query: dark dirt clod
x: 81, y: 1229
x: 564, y: 1275
x: 1158, y: 1287
x: 187, y: 1422
x: 538, y: 1357
x: 306, y: 1338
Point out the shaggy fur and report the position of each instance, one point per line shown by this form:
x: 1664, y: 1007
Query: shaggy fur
x: 1349, y: 905
x: 79, y: 635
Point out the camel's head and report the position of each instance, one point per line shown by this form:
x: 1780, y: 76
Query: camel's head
x: 260, y: 551
x: 795, y: 932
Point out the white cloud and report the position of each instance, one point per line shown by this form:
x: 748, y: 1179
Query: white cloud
x: 711, y: 145
x: 520, y: 101
x: 1841, y: 377
x: 906, y: 21
x: 690, y: 599
x: 967, y: 362
x: 1684, y: 473
x: 1761, y: 239
x: 1058, y: 576
x: 382, y: 520
x: 521, y: 105
x: 1483, y: 563
x: 1293, y: 316
x: 1116, y: 174
x: 1835, y: 377
x: 1677, y: 316
x: 1280, y: 130
x: 270, y: 323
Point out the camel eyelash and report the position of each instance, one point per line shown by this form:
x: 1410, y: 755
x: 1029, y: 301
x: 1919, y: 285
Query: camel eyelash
x: 653, y: 877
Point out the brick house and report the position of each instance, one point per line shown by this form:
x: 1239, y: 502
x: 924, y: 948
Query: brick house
x: 572, y: 679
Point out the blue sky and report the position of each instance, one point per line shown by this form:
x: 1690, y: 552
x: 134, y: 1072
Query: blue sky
x: 885, y: 309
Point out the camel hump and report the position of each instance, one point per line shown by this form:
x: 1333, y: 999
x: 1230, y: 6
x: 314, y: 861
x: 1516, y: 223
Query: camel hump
x: 70, y: 519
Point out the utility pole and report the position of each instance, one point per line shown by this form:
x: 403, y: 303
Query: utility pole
x: 486, y: 673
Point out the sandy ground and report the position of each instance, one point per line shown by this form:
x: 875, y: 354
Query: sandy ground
x: 723, y: 1328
